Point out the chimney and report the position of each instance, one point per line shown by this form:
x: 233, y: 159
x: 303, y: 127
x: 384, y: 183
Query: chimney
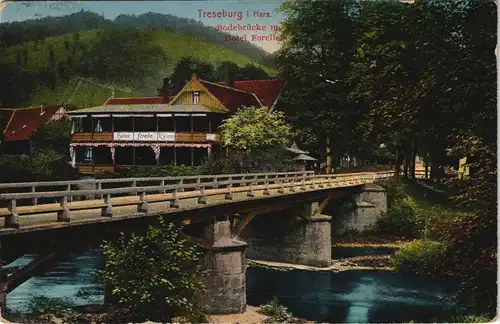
x: 229, y: 80
x: 164, y: 90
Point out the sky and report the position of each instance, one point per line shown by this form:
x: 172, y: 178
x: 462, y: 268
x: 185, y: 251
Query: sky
x: 19, y: 11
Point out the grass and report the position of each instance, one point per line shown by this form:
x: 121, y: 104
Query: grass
x: 174, y: 45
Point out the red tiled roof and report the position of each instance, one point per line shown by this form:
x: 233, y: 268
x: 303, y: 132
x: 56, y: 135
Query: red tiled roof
x: 231, y: 98
x: 20, y: 123
x: 136, y: 100
x: 266, y: 90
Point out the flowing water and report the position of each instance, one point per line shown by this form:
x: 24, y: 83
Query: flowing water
x: 349, y: 297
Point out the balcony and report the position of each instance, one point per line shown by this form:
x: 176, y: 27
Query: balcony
x: 182, y: 137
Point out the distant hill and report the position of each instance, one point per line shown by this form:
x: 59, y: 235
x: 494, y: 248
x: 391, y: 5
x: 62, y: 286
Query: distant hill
x: 44, y: 70
x: 16, y: 33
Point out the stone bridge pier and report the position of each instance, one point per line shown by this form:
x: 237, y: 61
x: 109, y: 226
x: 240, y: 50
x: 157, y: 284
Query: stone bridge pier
x: 300, y: 236
x: 225, y: 282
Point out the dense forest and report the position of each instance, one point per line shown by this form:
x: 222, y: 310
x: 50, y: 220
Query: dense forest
x: 37, y: 29
x: 47, y: 64
x: 419, y: 78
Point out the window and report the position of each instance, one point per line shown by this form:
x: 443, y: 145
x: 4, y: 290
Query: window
x: 182, y: 123
x: 165, y: 124
x: 102, y: 155
x: 145, y: 124
x: 123, y: 124
x: 166, y: 155
x: 200, y: 124
x: 77, y: 125
x: 183, y: 155
x: 200, y: 155
x: 196, y: 97
x: 87, y: 125
x: 144, y: 155
x: 216, y: 121
x: 102, y: 125
x: 124, y: 155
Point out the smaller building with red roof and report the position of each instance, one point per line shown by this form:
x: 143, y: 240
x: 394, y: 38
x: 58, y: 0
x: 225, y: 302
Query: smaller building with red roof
x: 20, y: 123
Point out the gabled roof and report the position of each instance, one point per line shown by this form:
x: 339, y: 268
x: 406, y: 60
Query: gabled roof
x: 137, y: 100
x: 145, y: 108
x: 20, y: 123
x: 231, y: 98
x: 266, y: 90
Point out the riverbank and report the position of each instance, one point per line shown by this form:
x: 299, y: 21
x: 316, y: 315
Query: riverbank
x: 94, y: 314
x: 355, y: 263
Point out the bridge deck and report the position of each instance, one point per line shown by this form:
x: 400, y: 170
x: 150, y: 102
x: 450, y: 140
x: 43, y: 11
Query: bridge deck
x: 45, y: 216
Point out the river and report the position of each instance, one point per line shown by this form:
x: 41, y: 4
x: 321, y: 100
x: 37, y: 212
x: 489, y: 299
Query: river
x: 355, y: 296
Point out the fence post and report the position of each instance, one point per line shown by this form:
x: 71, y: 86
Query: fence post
x: 175, y: 200
x: 181, y: 182
x: 35, y: 200
x: 303, y: 182
x: 266, y: 190
x: 134, y: 184
x: 292, y: 188
x: 143, y: 205
x: 162, y: 183
x: 250, y: 190
x: 63, y: 214
x: 229, y: 193
x: 70, y: 198
x: 201, y: 198
x: 108, y: 210
x: 99, y: 187
x: 12, y: 220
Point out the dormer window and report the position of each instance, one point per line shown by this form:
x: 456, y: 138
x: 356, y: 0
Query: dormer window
x: 196, y: 97
x: 13, y: 132
x: 42, y: 113
x: 24, y: 126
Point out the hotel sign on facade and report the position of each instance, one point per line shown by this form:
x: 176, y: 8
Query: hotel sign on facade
x: 151, y: 136
x: 145, y: 136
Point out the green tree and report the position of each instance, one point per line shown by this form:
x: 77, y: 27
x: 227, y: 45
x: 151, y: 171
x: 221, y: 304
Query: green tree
x: 52, y: 57
x: 186, y: 67
x: 317, y: 47
x: 252, y: 72
x: 156, y: 276
x: 253, y: 129
x: 55, y: 135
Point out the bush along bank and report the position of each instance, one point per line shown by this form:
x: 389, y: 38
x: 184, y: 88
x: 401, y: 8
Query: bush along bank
x: 435, y: 229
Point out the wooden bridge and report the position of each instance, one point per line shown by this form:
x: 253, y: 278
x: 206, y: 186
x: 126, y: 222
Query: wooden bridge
x: 58, y: 204
x: 210, y: 200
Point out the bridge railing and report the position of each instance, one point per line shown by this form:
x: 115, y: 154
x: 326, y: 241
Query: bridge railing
x: 173, y: 193
x: 77, y: 185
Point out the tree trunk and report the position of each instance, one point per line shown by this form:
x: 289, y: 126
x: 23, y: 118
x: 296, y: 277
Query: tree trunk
x: 426, y: 165
x: 405, y: 165
x: 413, y: 159
x: 328, y: 156
x: 397, y: 173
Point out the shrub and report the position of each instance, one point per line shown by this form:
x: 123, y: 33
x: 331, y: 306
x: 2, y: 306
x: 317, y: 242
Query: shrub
x: 153, y: 171
x: 419, y: 257
x: 395, y: 191
x: 155, y: 276
x: 43, y: 166
x: 277, y: 313
x: 221, y: 165
x: 42, y: 305
x: 401, y: 219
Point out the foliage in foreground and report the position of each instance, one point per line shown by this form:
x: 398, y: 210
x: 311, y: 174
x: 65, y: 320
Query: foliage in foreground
x: 276, y: 312
x: 156, y: 276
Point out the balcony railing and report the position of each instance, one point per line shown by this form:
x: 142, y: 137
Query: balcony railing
x: 186, y: 137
